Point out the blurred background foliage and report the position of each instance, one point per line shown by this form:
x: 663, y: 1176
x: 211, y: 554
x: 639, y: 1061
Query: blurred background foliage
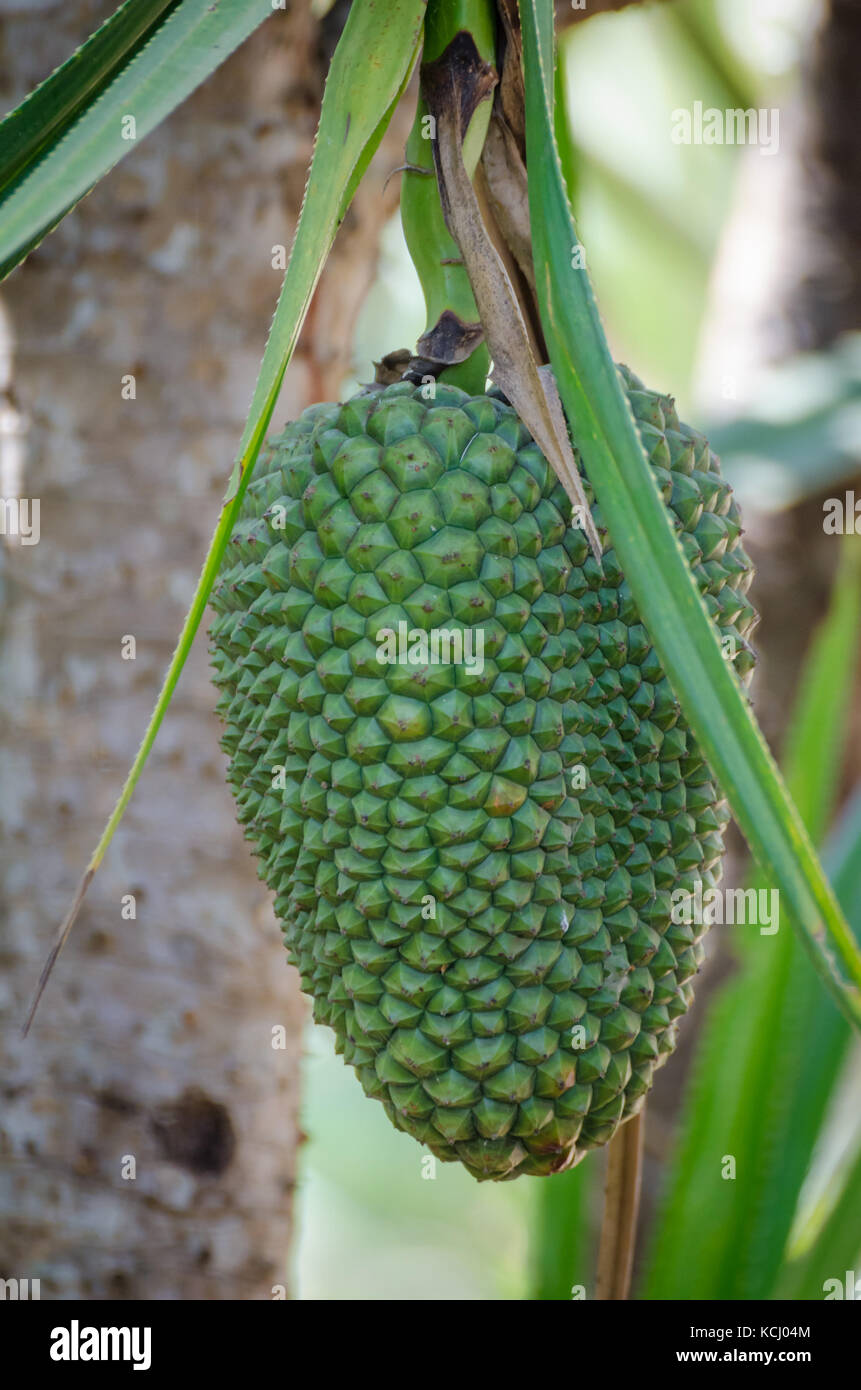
x: 691, y: 248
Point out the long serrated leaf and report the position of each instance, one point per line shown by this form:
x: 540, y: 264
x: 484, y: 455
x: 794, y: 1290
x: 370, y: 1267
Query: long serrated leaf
x: 51, y: 108
x: 370, y: 68
x: 650, y: 555
x: 568, y: 155
x: 831, y: 1235
x: 773, y: 1043
x: 365, y: 83
x: 75, y: 127
x: 817, y: 733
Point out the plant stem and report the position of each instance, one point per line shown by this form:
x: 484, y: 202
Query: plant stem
x: 621, y: 1205
x: 433, y: 250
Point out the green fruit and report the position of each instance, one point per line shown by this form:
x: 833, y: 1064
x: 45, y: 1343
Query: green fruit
x: 473, y: 862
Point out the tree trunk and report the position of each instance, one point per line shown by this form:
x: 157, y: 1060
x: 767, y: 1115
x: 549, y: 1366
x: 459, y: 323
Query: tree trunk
x: 148, y: 1137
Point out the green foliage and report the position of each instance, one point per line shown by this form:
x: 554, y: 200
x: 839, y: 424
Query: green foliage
x: 372, y: 63
x: 144, y: 61
x: 829, y: 1240
x: 564, y: 140
x: 773, y: 1043
x: 433, y: 250
x: 50, y: 110
x: 650, y: 555
x: 562, y: 1256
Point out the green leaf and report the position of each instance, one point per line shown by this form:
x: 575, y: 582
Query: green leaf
x: 144, y: 61
x: 817, y: 734
x: 560, y: 1234
x: 829, y: 1242
x: 371, y: 67
x: 568, y: 153
x: 369, y: 71
x: 837, y: 1248
x: 49, y: 110
x: 433, y: 250
x: 650, y: 555
x: 771, y: 1050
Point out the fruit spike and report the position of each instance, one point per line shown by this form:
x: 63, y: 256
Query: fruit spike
x: 473, y: 863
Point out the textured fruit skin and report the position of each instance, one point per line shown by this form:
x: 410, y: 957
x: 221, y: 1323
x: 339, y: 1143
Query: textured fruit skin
x: 490, y: 940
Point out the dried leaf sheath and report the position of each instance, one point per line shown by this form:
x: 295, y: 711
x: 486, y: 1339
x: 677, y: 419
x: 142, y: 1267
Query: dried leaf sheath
x: 453, y: 87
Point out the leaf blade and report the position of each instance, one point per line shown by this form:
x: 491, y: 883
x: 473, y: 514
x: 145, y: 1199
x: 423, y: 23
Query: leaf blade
x: 773, y: 1044
x: 391, y: 28
x: 832, y: 1238
x: 561, y: 1253
x: 651, y: 557
x: 138, y: 70
x: 53, y: 105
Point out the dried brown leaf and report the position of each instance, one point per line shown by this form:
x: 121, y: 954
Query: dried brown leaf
x: 453, y: 86
x: 505, y: 175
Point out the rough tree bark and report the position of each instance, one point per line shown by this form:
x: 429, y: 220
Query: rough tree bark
x: 153, y: 1054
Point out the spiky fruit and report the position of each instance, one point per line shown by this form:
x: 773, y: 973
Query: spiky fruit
x: 473, y: 863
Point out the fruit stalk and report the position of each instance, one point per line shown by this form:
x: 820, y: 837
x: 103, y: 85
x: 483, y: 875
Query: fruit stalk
x: 452, y: 316
x: 621, y: 1208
